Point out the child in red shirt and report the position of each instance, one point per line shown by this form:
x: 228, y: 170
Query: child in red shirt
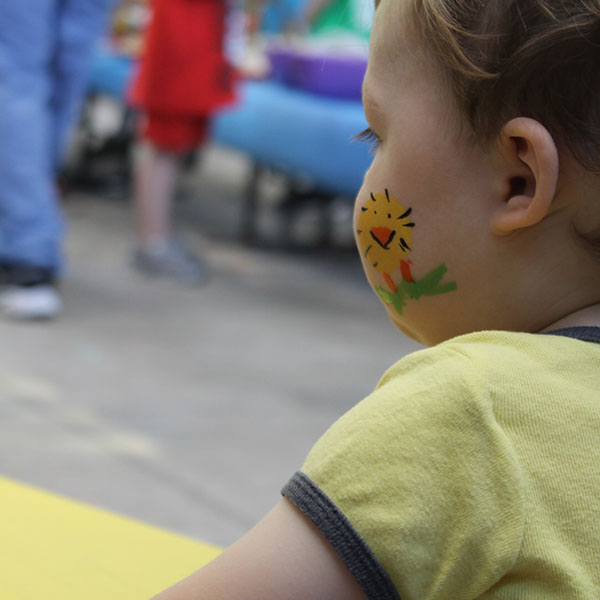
x: 183, y: 78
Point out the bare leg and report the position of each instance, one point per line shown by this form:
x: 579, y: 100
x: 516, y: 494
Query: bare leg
x: 155, y: 180
x: 158, y: 252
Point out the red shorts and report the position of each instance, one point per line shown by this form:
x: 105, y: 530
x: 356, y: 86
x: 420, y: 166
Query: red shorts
x: 175, y: 133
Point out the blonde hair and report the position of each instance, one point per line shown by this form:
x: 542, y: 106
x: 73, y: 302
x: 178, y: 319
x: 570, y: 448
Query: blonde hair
x: 508, y: 58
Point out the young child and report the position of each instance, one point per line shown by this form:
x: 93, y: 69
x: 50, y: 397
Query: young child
x: 473, y: 470
x: 184, y: 77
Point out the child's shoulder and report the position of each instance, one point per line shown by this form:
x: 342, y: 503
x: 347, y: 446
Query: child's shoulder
x: 490, y: 363
x: 451, y: 387
x: 423, y: 458
x: 445, y: 447
x: 479, y: 391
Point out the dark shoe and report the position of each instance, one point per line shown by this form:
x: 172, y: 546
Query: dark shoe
x: 28, y: 293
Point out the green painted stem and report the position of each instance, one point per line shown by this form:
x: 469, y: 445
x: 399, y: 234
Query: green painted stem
x: 427, y: 286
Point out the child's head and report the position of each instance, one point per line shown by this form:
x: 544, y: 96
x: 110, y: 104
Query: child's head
x: 482, y: 207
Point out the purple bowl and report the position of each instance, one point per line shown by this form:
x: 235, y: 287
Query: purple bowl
x: 282, y: 65
x: 334, y: 76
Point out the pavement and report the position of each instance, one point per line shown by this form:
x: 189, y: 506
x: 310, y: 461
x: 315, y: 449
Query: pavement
x: 189, y: 408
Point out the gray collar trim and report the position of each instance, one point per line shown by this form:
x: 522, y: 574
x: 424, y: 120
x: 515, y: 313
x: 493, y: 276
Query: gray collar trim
x: 585, y: 334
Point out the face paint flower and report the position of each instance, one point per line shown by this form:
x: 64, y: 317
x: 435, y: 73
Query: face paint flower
x: 385, y: 232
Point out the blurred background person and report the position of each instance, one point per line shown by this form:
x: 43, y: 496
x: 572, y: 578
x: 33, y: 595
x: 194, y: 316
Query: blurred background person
x: 183, y: 78
x: 45, y: 50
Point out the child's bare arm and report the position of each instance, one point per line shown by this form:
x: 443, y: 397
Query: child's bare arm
x: 283, y: 557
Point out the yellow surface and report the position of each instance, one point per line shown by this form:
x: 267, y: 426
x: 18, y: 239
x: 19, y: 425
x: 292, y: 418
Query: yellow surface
x: 51, y: 547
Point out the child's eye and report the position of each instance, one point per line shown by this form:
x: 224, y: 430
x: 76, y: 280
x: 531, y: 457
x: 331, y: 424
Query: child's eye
x: 370, y: 137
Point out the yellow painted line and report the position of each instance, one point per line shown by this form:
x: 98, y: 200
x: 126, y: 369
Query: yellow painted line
x: 55, y: 548
x: 79, y: 425
x: 25, y: 386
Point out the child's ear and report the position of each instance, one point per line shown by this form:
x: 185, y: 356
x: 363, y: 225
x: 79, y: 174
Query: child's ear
x: 530, y: 171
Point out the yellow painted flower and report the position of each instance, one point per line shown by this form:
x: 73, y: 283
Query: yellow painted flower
x: 385, y: 234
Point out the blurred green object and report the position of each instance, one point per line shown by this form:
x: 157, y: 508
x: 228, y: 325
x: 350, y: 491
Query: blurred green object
x: 353, y: 16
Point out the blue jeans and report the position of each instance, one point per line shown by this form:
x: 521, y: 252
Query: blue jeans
x: 45, y: 51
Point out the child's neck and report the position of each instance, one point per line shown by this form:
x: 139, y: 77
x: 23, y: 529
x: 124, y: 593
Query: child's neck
x: 588, y: 316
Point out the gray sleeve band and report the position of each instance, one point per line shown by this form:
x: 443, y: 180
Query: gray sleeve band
x: 340, y: 533
x: 583, y: 333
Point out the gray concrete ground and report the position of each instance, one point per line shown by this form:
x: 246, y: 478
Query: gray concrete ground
x: 188, y: 408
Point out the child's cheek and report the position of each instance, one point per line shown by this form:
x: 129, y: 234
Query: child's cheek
x: 383, y: 228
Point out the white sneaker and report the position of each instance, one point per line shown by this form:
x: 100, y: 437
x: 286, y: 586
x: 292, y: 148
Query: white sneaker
x: 171, y: 260
x: 30, y: 303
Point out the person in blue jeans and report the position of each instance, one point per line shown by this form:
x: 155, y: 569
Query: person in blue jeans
x: 45, y: 50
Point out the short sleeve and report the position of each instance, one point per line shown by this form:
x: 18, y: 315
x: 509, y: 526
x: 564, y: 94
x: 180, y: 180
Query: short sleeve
x: 418, y: 487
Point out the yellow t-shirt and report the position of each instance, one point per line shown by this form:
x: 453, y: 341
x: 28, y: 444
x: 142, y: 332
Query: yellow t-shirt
x: 472, y: 471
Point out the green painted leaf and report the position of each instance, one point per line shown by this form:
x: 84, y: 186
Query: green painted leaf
x: 426, y: 286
